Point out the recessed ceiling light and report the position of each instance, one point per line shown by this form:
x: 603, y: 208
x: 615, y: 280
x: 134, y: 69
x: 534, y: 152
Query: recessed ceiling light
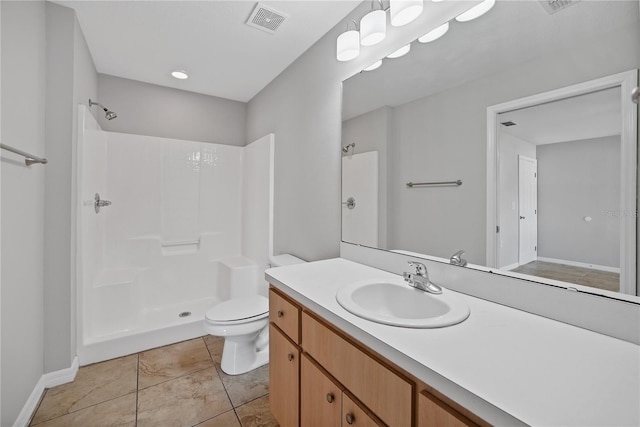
x: 402, y: 51
x: 180, y: 74
x: 373, y: 66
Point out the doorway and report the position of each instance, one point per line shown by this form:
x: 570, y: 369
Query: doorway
x: 566, y: 195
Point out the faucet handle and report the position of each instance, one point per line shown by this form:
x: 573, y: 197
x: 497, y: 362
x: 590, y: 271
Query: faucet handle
x: 421, y: 269
x: 456, y: 259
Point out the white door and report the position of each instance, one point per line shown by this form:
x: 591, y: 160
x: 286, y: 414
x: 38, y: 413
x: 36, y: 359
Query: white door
x: 528, y: 209
x: 360, y: 199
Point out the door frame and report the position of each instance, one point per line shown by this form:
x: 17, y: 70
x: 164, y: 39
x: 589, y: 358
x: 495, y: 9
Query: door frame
x: 628, y: 166
x: 522, y: 158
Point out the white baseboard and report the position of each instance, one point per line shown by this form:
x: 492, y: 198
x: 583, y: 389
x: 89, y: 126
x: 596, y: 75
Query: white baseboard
x: 49, y: 380
x: 62, y: 376
x: 581, y: 264
x: 510, y: 266
x: 30, y: 406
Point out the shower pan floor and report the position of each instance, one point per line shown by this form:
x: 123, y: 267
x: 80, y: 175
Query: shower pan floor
x: 152, y: 328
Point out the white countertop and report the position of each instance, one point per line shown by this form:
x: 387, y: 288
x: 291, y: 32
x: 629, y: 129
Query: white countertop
x: 539, y: 371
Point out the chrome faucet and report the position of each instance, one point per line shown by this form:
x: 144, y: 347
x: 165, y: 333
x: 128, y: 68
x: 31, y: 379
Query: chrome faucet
x: 456, y: 259
x: 420, y: 279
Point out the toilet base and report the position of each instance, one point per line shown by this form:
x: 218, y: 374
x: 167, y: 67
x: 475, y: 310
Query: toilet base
x: 241, y: 356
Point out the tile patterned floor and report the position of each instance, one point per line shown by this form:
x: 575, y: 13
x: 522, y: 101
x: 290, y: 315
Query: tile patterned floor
x: 176, y: 385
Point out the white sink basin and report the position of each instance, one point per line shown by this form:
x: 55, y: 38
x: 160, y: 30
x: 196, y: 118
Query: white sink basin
x: 399, y: 304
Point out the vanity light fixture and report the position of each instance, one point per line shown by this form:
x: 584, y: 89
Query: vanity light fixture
x: 180, y: 74
x: 476, y: 11
x: 435, y: 34
x: 404, y: 11
x: 400, y: 52
x: 348, y: 44
x: 373, y: 26
x: 374, y: 66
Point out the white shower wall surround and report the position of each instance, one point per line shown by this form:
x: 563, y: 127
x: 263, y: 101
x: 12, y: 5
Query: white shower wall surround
x: 187, y: 221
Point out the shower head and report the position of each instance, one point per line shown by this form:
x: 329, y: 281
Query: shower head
x: 110, y: 115
x: 345, y: 149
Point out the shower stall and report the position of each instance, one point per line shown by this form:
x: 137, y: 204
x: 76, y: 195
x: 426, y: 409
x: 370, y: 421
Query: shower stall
x: 162, y: 226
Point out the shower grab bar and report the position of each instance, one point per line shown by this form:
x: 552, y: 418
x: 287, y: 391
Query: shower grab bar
x: 435, y: 184
x: 180, y: 243
x: 29, y: 159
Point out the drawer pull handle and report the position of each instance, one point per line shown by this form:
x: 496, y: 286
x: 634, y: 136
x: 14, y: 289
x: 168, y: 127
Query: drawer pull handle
x: 330, y: 397
x: 350, y: 418
x: 280, y: 313
x: 290, y: 357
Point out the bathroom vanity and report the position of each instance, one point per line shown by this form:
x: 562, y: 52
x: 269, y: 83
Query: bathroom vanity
x: 500, y: 366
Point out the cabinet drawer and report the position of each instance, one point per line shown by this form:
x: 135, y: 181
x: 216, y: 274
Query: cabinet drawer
x: 432, y: 412
x: 320, y: 397
x: 284, y: 373
x: 285, y: 315
x: 385, y: 393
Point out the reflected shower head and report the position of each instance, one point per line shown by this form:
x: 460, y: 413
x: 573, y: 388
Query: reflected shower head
x: 110, y: 115
x: 345, y: 149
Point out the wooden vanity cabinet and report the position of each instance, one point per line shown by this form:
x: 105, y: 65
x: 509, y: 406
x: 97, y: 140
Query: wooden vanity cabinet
x: 321, y: 377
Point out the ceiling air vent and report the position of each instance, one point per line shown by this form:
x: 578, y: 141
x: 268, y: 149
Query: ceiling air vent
x: 553, y: 6
x: 265, y: 18
x: 509, y: 123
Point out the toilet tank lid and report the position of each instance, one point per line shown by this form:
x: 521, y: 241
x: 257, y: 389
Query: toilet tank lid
x: 239, y: 308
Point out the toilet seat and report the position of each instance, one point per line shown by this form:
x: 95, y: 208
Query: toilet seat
x: 239, y: 310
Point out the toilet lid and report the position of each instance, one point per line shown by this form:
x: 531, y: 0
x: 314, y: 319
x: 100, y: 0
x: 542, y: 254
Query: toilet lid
x: 239, y: 308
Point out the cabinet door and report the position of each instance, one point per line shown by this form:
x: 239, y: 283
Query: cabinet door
x: 354, y: 415
x: 320, y: 397
x: 432, y: 412
x: 284, y: 375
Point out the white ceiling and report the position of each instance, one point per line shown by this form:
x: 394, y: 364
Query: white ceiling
x: 146, y: 40
x: 594, y: 115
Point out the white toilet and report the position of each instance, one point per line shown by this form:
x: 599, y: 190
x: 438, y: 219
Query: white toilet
x: 244, y: 318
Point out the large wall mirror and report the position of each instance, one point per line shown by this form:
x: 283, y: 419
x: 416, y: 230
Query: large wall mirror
x: 512, y: 137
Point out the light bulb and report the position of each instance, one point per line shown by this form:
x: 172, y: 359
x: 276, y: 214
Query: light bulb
x: 435, y: 34
x: 400, y: 52
x: 476, y: 11
x: 404, y: 11
x: 373, y: 27
x: 348, y: 45
x: 374, y: 66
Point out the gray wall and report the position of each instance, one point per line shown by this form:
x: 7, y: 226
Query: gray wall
x: 372, y: 132
x: 578, y: 179
x: 302, y: 107
x: 510, y: 147
x: 46, y: 67
x: 443, y: 137
x: 71, y: 79
x: 147, y: 109
x: 23, y: 188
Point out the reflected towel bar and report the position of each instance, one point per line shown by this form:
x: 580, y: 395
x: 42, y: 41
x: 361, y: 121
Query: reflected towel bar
x: 435, y: 184
x: 28, y: 158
